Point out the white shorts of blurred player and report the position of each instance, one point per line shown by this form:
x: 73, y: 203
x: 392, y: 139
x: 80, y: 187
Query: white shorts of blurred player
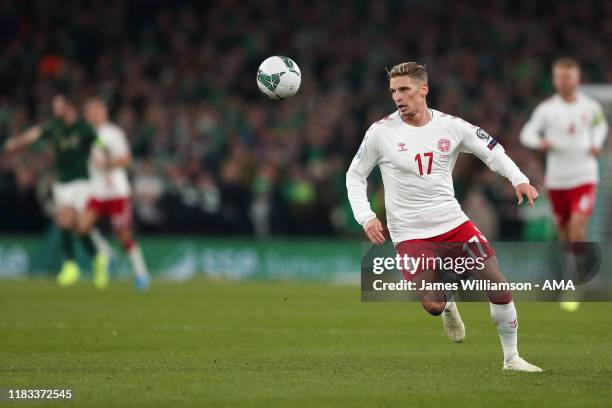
x: 74, y: 194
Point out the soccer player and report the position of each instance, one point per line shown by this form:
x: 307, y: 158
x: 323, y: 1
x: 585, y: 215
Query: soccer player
x: 110, y: 187
x: 416, y: 148
x: 71, y: 138
x: 571, y: 129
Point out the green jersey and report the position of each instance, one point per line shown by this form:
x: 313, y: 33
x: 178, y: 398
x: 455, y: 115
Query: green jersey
x: 72, y: 145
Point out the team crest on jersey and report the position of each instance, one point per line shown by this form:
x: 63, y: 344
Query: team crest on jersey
x: 402, y: 147
x: 444, y: 145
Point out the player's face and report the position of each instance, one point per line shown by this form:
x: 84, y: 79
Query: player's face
x: 58, y: 105
x: 566, y: 80
x: 408, y: 94
x: 95, y: 112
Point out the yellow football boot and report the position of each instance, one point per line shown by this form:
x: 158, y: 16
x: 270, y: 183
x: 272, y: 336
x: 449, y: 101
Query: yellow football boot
x: 69, y: 274
x: 100, y: 271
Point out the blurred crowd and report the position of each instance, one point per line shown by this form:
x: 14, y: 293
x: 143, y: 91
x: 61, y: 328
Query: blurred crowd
x: 214, y: 156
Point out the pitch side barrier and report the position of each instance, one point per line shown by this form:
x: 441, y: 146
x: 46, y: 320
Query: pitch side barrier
x: 554, y: 268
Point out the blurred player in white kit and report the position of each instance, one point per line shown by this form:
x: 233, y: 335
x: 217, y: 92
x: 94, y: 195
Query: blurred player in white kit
x: 416, y: 148
x: 110, y: 187
x: 571, y: 129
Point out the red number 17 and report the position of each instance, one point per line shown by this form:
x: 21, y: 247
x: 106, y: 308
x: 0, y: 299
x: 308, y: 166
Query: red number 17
x: 418, y: 160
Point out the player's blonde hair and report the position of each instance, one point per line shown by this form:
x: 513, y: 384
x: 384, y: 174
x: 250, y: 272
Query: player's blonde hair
x: 566, y: 62
x: 411, y: 69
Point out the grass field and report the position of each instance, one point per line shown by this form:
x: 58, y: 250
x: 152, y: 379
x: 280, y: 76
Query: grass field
x: 279, y: 344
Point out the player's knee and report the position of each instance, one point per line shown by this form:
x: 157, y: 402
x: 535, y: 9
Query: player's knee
x: 83, y: 227
x: 65, y: 219
x: 434, y: 308
x: 576, y: 230
x: 86, y: 222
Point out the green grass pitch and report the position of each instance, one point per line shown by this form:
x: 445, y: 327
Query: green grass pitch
x: 265, y: 344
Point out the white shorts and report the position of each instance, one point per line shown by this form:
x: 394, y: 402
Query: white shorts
x: 73, y: 194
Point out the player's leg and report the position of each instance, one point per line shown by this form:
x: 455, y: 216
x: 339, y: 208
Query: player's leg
x: 86, y: 220
x: 562, y: 234
x: 65, y: 218
x: 502, y: 307
x: 141, y: 273
x: 121, y: 219
x: 435, y: 302
x: 561, y: 211
x: 504, y: 315
x: 102, y: 245
x: 440, y: 303
x: 580, y: 203
x: 576, y: 233
x: 577, y: 227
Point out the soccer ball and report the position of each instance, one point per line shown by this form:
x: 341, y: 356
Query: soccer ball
x: 279, y: 77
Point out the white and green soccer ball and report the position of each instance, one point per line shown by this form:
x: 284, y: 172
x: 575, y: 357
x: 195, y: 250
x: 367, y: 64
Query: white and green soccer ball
x: 279, y: 77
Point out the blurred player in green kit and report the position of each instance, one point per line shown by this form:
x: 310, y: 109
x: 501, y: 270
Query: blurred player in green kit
x: 72, y: 139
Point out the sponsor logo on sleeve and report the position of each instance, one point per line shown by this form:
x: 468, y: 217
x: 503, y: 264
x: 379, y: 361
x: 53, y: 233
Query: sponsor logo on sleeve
x: 486, y: 137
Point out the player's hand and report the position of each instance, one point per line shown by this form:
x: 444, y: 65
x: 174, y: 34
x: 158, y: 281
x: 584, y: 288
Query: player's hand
x: 529, y: 191
x: 374, y: 231
x: 595, y: 151
x: 544, y: 146
x: 9, y: 146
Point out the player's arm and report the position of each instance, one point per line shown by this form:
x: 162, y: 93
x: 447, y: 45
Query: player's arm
x: 487, y: 149
x: 357, y: 185
x: 599, y: 130
x: 121, y: 157
x: 116, y: 153
x: 122, y: 161
x: 531, y: 134
x: 25, y: 139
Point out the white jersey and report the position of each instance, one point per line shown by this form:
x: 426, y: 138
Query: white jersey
x: 416, y: 164
x: 571, y: 129
x: 109, y: 184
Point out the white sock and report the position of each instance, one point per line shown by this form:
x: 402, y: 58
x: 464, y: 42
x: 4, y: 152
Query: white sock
x: 504, y: 317
x: 450, y: 296
x: 101, y: 243
x: 138, y: 264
